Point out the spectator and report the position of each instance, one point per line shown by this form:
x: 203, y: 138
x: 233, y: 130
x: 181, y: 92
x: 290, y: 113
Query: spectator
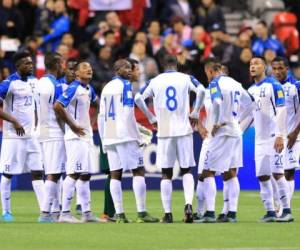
x: 269, y: 56
x: 59, y: 26
x: 154, y: 36
x: 142, y: 37
x: 68, y: 40
x: 116, y: 26
x: 11, y: 21
x: 263, y: 41
x: 45, y: 18
x: 111, y: 41
x: 182, y: 9
x: 182, y: 31
x: 147, y: 65
x: 219, y: 40
x: 64, y: 51
x: 208, y: 13
x: 102, y: 68
x: 296, y: 71
x: 184, y: 61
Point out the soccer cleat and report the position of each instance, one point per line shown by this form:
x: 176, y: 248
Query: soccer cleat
x: 68, y: 218
x: 269, y: 217
x: 121, y: 218
x: 168, y: 218
x: 285, y: 217
x: 78, y: 209
x: 89, y: 217
x: 46, y: 218
x: 8, y: 217
x: 197, y: 216
x: 145, y: 217
x: 104, y: 217
x: 208, y: 217
x: 55, y: 216
x: 112, y: 219
x: 188, y: 213
x: 231, y: 217
x: 222, y: 218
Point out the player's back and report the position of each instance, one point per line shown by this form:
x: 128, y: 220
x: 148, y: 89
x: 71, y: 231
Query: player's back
x: 171, y: 103
x: 117, y: 109
x: 49, y: 89
x: 232, y: 96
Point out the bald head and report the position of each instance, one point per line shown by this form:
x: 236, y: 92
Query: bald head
x: 123, y: 68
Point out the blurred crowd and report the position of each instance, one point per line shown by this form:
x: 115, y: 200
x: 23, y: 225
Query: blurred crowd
x: 103, y: 31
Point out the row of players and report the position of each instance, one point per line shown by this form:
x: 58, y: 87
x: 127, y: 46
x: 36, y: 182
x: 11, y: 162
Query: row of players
x: 47, y: 122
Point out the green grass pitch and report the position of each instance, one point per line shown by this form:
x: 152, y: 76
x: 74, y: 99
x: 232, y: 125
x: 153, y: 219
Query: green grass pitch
x: 247, y: 234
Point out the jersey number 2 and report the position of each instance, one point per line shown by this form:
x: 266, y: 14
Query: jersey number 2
x: 111, y: 110
x: 171, y: 98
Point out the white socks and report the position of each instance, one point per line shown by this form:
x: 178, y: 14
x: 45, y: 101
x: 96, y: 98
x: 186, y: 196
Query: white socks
x: 38, y: 187
x: 166, y: 194
x: 84, y: 194
x: 266, y: 194
x: 139, y: 189
x: 210, y: 192
x: 225, y: 197
x: 68, y: 191
x: 5, y: 194
x: 188, y: 187
x: 116, y: 194
x: 78, y: 202
x: 283, y: 191
x: 57, y: 197
x: 200, y: 197
x: 50, y: 194
x: 275, y: 192
x: 291, y: 185
x: 233, y: 194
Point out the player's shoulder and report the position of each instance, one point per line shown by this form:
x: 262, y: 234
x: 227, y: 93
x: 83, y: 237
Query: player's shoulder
x: 113, y: 86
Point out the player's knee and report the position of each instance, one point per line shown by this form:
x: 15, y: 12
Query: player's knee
x: 37, y: 175
x: 289, y: 175
x: 140, y: 171
x: 167, y: 173
x: 85, y: 177
x: 264, y: 178
x: 184, y: 171
x: 116, y: 175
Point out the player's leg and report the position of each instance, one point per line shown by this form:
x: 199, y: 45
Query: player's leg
x: 290, y: 178
x: 200, y: 198
x: 166, y: 190
x: 78, y: 202
x: 139, y: 189
x: 277, y: 203
x: 6, y: 197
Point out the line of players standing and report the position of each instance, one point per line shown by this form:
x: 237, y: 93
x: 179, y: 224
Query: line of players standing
x: 47, y: 121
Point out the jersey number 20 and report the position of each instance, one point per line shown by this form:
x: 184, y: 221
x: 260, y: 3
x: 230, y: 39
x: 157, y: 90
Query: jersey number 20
x: 110, y: 112
x: 171, y: 98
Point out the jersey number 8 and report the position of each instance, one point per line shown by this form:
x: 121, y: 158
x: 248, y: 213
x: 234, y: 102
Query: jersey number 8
x: 171, y: 98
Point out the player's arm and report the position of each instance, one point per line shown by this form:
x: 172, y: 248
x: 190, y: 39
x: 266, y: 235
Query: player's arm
x: 216, y: 98
x: 292, y: 137
x: 4, y: 89
x: 101, y: 117
x: 140, y: 98
x: 247, y: 105
x: 198, y: 88
x: 95, y: 104
x: 59, y: 107
x: 280, y: 117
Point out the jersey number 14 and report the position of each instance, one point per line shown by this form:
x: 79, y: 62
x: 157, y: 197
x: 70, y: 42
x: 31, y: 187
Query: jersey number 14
x: 109, y: 108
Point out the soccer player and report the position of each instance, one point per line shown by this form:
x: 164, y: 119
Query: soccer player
x: 121, y: 140
x: 224, y: 149
x: 170, y: 91
x: 20, y: 151
x: 270, y: 128
x: 51, y: 134
x: 291, y: 88
x: 72, y: 107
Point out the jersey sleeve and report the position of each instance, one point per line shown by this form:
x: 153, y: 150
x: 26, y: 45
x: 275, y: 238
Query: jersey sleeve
x: 297, y: 85
x: 4, y: 87
x: 93, y: 94
x: 194, y: 81
x: 147, y: 90
x: 66, y: 97
x: 215, y: 91
x: 278, y: 94
x: 58, y: 90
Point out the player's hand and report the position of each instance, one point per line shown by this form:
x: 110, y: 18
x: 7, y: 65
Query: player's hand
x: 292, y: 137
x: 278, y: 145
x: 78, y: 130
x: 202, y: 131
x: 19, y: 129
x: 194, y: 122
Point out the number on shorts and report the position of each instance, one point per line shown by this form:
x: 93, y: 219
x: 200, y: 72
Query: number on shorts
x: 28, y: 100
x: 278, y: 160
x: 78, y: 166
x: 171, y: 98
x: 7, y: 167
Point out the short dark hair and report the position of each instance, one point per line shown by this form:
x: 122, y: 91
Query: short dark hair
x: 51, y: 60
x: 262, y: 22
x: 72, y: 59
x: 169, y: 61
x: 133, y: 62
x: 119, y: 64
x: 281, y: 59
x: 214, y: 63
x: 108, y: 32
x: 261, y: 58
x: 19, y: 55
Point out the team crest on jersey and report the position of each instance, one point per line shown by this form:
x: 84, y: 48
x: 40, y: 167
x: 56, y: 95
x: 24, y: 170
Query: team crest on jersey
x: 280, y: 94
x: 214, y: 90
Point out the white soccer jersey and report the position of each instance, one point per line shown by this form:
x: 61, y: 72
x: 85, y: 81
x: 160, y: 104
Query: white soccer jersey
x: 232, y: 97
x: 49, y: 89
x: 268, y: 95
x: 117, y: 122
x: 19, y: 100
x: 291, y: 89
x: 77, y: 98
x: 170, y: 92
x: 208, y: 122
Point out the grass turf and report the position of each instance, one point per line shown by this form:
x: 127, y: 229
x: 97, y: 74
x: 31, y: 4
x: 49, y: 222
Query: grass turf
x: 247, y: 234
